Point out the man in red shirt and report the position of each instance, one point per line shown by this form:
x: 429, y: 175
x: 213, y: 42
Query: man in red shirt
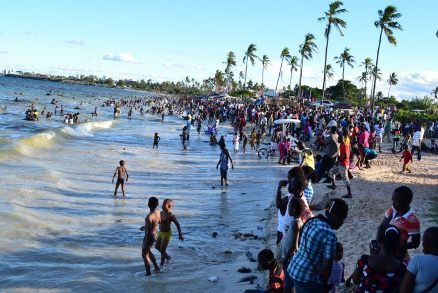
x: 342, y: 167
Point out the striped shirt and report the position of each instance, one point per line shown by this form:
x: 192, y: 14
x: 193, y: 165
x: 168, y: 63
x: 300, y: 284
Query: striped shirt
x: 317, y: 243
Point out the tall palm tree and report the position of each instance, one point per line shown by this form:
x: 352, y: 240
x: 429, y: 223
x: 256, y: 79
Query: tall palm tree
x: 329, y: 71
x: 306, y: 51
x: 368, y: 64
x: 230, y: 62
x: 345, y: 58
x: 387, y: 22
x: 265, y: 62
x: 435, y: 91
x: 219, y: 81
x: 293, y: 62
x: 249, y: 56
x: 363, y: 79
x: 331, y: 16
x: 284, y: 55
x: 376, y: 76
x: 392, y: 81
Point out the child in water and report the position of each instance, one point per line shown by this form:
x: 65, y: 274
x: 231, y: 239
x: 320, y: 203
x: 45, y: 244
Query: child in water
x: 156, y: 140
x: 165, y: 233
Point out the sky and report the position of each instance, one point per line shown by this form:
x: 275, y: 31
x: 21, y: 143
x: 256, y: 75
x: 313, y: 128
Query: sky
x: 169, y: 40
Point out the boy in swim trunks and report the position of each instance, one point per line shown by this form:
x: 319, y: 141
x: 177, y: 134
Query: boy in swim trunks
x: 121, y: 171
x: 165, y: 233
x: 150, y: 228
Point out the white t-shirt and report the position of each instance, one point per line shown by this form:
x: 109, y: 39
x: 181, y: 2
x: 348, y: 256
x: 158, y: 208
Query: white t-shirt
x: 424, y: 268
x: 416, y: 138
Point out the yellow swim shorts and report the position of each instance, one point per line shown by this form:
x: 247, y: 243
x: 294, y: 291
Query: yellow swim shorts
x: 165, y: 235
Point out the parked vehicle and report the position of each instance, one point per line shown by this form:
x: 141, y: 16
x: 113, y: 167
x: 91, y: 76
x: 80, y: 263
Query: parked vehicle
x: 325, y: 103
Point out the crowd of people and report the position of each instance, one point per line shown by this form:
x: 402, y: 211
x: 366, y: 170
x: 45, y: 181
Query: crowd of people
x: 324, y: 144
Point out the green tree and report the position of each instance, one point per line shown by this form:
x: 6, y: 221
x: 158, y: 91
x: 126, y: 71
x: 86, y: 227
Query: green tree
x: 392, y: 81
x: 332, y: 18
x: 293, y: 63
x: 387, y: 22
x: 345, y: 58
x: 351, y: 91
x: 230, y: 62
x: 435, y: 91
x: 306, y: 51
x: 368, y: 64
x: 219, y: 80
x: 249, y: 56
x: 329, y: 71
x: 363, y: 79
x: 284, y: 55
x: 265, y: 62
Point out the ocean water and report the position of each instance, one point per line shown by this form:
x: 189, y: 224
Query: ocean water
x: 63, y: 230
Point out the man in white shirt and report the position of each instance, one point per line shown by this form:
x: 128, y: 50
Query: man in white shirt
x: 416, y: 143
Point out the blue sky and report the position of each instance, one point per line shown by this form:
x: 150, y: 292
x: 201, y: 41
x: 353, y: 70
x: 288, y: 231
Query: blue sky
x: 168, y: 40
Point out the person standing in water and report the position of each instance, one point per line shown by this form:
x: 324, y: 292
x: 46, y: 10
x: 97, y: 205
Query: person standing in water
x: 223, y: 162
x: 121, y: 172
x: 165, y: 233
x: 156, y: 140
x: 150, y: 228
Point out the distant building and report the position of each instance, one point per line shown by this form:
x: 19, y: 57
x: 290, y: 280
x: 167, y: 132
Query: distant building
x: 269, y: 93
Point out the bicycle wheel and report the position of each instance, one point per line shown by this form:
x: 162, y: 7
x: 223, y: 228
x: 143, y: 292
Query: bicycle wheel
x: 263, y: 153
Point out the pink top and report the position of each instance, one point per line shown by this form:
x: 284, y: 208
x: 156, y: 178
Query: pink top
x: 363, y: 139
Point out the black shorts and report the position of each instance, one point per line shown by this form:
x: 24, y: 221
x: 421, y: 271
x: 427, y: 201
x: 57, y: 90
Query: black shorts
x: 120, y: 180
x: 224, y: 172
x: 149, y: 244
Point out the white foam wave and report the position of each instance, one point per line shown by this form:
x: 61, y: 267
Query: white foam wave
x: 87, y: 128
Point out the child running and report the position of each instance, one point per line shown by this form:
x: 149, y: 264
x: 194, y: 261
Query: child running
x: 407, y: 160
x: 165, y: 233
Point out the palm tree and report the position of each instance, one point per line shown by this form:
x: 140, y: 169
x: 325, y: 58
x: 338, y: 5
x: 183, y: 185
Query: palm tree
x: 376, y: 78
x: 293, y: 62
x: 363, y: 79
x: 368, y: 64
x: 265, y: 62
x: 230, y: 62
x: 392, y: 81
x: 331, y: 16
x: 329, y: 71
x: 345, y: 58
x: 219, y: 80
x: 251, y: 56
x: 306, y: 52
x: 435, y: 91
x: 284, y: 55
x: 387, y: 22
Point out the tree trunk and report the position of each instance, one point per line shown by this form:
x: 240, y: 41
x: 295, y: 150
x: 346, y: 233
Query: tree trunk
x: 301, y: 75
x: 279, y: 73
x: 375, y: 73
x: 389, y: 90
x: 246, y: 68
x: 290, y: 83
x: 325, y: 61
x: 263, y: 71
x: 343, y: 79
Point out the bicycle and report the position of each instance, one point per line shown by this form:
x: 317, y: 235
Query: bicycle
x: 266, y: 152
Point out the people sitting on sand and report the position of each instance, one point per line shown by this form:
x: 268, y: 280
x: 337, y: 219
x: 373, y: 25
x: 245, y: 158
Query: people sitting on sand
x: 384, y: 271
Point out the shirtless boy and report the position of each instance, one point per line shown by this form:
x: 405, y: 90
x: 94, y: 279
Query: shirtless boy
x: 165, y: 233
x: 150, y: 228
x: 121, y: 171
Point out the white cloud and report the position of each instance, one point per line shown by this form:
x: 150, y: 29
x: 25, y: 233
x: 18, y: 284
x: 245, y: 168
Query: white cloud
x: 120, y: 57
x: 173, y: 65
x: 76, y: 42
x: 3, y: 52
x: 417, y: 84
x: 27, y: 33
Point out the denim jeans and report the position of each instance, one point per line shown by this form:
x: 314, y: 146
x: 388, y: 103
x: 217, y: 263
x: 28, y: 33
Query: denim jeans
x: 307, y: 287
